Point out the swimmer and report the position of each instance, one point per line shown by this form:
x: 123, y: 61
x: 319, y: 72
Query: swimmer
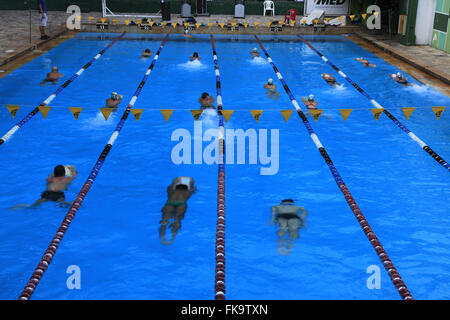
x: 289, y: 218
x: 178, y: 193
x: 365, y: 62
x: 254, y: 53
x: 52, y: 76
x: 206, y: 101
x: 401, y: 79
x: 186, y: 34
x: 309, y: 102
x: 330, y: 79
x: 195, y: 56
x: 146, y: 53
x: 272, y: 92
x: 57, y: 183
x: 114, y: 101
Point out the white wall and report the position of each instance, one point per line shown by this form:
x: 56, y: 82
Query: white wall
x: 424, y: 21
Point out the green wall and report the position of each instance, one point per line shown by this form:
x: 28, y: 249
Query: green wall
x: 152, y: 6
x: 441, y: 27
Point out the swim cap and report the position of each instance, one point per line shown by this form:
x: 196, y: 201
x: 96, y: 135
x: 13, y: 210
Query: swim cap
x: 59, y: 171
x: 114, y: 96
x: 204, y: 95
x: 186, y: 181
x: 399, y: 74
x: 254, y: 49
x: 311, y: 97
x: 55, y: 68
x: 270, y: 81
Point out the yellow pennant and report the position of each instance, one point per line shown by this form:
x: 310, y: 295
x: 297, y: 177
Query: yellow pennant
x: 127, y: 22
x: 352, y: 17
x: 91, y: 18
x: 257, y: 24
x: 186, y: 24
x: 139, y: 22
x: 246, y: 25
x: 115, y: 21
x: 103, y: 20
x: 13, y: 110
x: 174, y: 24
x: 304, y: 20
x: 106, y: 112
x: 292, y: 22
x: 408, y: 112
x: 280, y: 23
x: 198, y: 25
x: 438, y: 111
x: 286, y: 114
x: 268, y: 23
x: 227, y: 114
x: 328, y: 19
x: 196, y: 114
x: 345, y: 113
x: 364, y: 15
x: 163, y: 24
x: 377, y: 113
x: 340, y: 19
x: 316, y: 20
x: 256, y: 114
x: 44, y: 111
x: 166, y: 113
x: 221, y: 25
x: 234, y: 24
x: 316, y: 113
x: 137, y: 113
x: 75, y: 111
x: 151, y: 23
x: 209, y: 24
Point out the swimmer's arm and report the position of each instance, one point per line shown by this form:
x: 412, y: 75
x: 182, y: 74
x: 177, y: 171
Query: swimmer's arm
x: 73, y: 171
x: 274, y: 212
x: 265, y: 85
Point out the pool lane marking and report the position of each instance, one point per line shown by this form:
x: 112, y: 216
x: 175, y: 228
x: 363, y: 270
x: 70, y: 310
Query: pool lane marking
x: 54, y: 244
x: 47, y: 101
x: 415, y: 138
x: 220, y: 229
x: 387, y: 263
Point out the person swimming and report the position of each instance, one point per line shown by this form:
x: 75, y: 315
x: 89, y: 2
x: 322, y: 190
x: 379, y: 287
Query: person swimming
x: 57, y: 183
x: 178, y: 192
x: 114, y: 101
x: 289, y: 218
x: 146, y: 53
x: 255, y: 53
x: 206, y: 101
x: 310, y: 102
x: 330, y: 79
x: 365, y: 62
x: 400, y: 78
x: 195, y: 56
x: 272, y: 92
x: 52, y: 76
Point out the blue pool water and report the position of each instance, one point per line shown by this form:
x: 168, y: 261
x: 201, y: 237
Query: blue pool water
x: 114, y: 238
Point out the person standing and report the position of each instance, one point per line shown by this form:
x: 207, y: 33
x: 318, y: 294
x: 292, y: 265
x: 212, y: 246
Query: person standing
x: 42, y: 7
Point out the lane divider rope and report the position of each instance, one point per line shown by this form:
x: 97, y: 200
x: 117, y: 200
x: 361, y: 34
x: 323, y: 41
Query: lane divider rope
x: 54, y: 244
x: 415, y: 138
x: 47, y: 101
x: 387, y: 263
x: 220, y: 228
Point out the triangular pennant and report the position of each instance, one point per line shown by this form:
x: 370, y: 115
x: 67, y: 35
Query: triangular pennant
x: 268, y: 23
x: 340, y: 19
x: 13, y: 110
x: 352, y: 17
x: 115, y: 21
x: 328, y: 19
x: 127, y: 22
x: 151, y: 23
x: 280, y: 23
x: 256, y: 114
x: 303, y: 20
x: 163, y: 24
x: 75, y: 111
x: 293, y: 23
x: 106, y: 112
x: 316, y: 113
x: 345, y: 113
x: 364, y: 15
x: 196, y: 114
x: 377, y: 113
x: 91, y: 18
x: 209, y: 24
x: 139, y: 22
x: 316, y: 21
x: 103, y: 20
x: 137, y: 113
x: 44, y: 110
x: 286, y: 114
x: 166, y: 113
x: 438, y: 111
x: 221, y: 25
x: 408, y: 112
x: 233, y: 24
x: 227, y: 114
x: 198, y: 25
x: 246, y: 25
x: 174, y: 24
x: 257, y: 24
x: 186, y: 24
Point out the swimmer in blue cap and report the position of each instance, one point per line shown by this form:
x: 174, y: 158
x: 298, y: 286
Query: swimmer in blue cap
x: 254, y: 52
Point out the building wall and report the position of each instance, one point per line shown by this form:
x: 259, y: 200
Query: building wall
x: 425, y: 21
x: 441, y: 32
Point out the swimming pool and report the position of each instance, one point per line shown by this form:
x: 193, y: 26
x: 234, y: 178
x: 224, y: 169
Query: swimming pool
x: 402, y: 191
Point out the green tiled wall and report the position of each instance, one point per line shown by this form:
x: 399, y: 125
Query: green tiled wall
x: 441, y: 32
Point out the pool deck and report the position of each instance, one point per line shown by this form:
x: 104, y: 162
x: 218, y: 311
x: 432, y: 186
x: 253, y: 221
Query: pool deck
x: 426, y: 64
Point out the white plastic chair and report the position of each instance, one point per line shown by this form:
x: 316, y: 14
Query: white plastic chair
x: 270, y: 6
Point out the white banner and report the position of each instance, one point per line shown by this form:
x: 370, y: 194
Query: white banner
x: 331, y: 7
